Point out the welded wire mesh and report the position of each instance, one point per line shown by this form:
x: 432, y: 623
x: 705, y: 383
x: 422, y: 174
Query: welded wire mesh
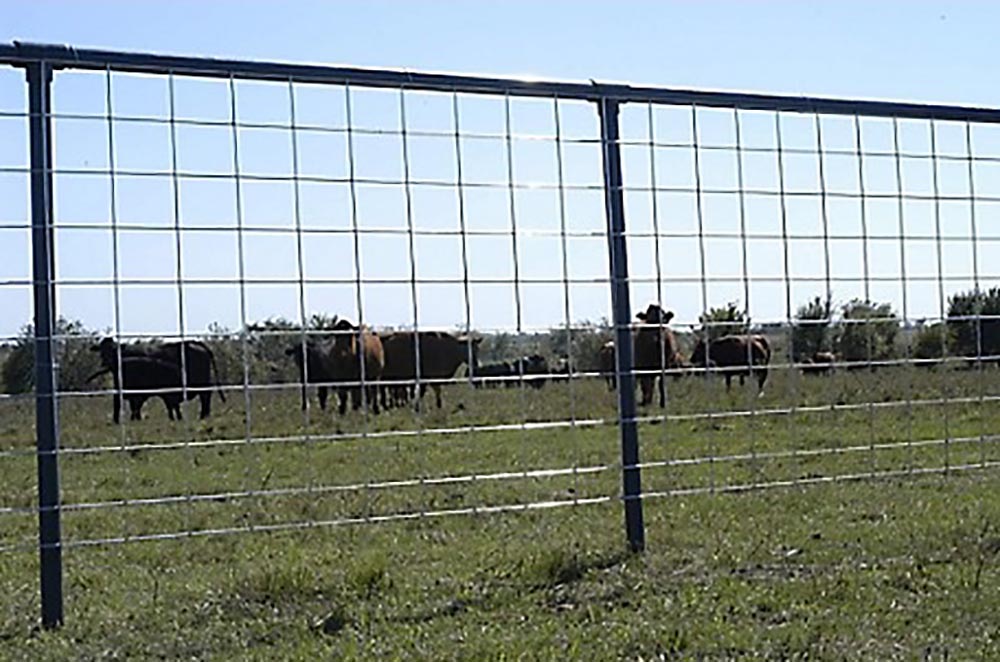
x: 839, y: 265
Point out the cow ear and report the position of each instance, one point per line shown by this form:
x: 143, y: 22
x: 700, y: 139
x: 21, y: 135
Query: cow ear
x: 476, y: 341
x: 669, y: 315
x: 641, y: 315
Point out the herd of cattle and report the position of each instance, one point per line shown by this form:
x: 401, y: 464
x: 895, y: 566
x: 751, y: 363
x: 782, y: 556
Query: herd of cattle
x: 384, y: 370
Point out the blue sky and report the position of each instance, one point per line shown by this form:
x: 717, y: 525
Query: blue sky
x: 920, y: 51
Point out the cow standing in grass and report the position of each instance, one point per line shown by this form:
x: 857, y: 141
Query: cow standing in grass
x: 138, y: 378
x: 735, y: 356
x: 820, y: 363
x: 654, y: 350
x: 358, y: 360
x: 197, y: 373
x: 532, y: 370
x: 492, y: 375
x: 313, y: 358
x: 606, y: 364
x: 440, y: 353
x: 342, y: 362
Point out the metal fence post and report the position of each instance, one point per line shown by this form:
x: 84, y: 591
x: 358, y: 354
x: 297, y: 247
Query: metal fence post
x: 622, y: 311
x: 39, y: 74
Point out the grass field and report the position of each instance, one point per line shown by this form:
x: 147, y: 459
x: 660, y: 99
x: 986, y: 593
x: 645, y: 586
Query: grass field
x: 898, y: 567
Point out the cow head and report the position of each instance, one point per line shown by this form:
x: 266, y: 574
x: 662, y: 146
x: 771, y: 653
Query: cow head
x: 345, y: 338
x: 108, y: 351
x: 473, y: 349
x: 655, y: 315
x: 698, y: 356
x: 299, y: 350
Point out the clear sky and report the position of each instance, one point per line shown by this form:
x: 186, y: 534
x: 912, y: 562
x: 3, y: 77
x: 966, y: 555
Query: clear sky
x: 920, y: 51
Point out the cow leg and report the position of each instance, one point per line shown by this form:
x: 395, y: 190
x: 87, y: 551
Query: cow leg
x: 342, y: 397
x: 437, y: 394
x: 373, y: 393
x: 206, y: 404
x: 135, y: 408
x: 116, y: 411
x: 322, y: 392
x: 761, y: 378
x: 729, y: 382
x: 663, y: 395
x: 173, y: 408
x: 305, y: 396
x: 646, y: 386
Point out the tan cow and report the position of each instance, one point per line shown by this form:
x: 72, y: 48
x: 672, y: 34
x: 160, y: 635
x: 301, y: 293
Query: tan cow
x: 358, y: 359
x: 655, y: 350
x: 820, y: 363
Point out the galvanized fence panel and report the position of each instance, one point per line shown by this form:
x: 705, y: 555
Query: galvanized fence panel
x: 218, y: 221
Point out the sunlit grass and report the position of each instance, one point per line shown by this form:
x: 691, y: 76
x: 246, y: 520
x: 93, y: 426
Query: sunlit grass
x: 898, y: 567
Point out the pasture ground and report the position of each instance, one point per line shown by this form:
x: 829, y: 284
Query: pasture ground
x: 901, y: 567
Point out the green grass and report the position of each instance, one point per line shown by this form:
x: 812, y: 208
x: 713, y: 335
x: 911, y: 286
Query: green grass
x: 895, y: 568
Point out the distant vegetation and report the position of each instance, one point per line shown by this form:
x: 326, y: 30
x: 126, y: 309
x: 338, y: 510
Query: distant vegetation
x: 857, y: 331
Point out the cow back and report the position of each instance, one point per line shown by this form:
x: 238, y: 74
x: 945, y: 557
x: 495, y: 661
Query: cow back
x: 440, y: 355
x: 741, y: 350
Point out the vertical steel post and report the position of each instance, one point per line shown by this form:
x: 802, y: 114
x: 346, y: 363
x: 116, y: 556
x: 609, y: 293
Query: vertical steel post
x: 39, y: 76
x: 622, y: 311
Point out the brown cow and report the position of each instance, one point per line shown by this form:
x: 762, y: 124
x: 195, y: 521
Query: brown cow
x: 655, y: 349
x: 820, y: 363
x: 358, y: 359
x: 735, y: 356
x: 440, y: 356
x: 329, y: 362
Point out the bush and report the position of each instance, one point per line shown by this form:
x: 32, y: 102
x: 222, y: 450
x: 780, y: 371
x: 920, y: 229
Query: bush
x: 869, y: 331
x: 974, y: 337
x: 929, y: 342
x: 718, y: 322
x: 581, y: 345
x: 76, y: 361
x: 811, y: 332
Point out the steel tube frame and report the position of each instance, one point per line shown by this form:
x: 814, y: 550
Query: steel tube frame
x: 39, y: 75
x: 39, y: 60
x: 614, y: 206
x: 59, y: 56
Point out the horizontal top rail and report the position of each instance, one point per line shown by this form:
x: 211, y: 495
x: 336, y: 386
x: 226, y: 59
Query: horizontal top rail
x: 20, y: 53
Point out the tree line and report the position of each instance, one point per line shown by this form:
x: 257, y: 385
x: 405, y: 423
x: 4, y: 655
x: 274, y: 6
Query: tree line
x: 856, y: 331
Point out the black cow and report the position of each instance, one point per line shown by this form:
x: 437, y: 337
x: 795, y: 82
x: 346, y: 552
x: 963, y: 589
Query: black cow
x: 440, y: 356
x: 735, y: 356
x: 563, y: 370
x: 315, y: 363
x: 533, y: 369
x: 143, y: 377
x: 197, y: 371
x: 492, y: 375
